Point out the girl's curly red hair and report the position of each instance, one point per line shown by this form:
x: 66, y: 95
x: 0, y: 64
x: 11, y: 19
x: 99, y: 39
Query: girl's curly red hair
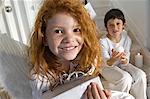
x: 42, y: 59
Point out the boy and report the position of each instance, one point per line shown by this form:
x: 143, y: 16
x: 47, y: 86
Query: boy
x: 118, y: 70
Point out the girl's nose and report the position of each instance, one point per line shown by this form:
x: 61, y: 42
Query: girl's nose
x: 69, y: 37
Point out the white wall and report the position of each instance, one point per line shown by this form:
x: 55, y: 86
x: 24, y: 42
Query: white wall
x: 138, y: 11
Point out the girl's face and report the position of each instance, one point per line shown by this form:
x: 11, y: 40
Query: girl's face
x: 115, y: 27
x: 63, y: 36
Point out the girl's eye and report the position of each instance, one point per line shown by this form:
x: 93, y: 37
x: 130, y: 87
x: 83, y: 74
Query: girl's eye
x: 76, y: 30
x: 58, y: 31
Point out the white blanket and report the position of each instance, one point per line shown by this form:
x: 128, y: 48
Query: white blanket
x: 14, y: 68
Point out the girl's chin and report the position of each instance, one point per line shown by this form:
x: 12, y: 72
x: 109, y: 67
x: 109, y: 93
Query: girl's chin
x: 69, y: 57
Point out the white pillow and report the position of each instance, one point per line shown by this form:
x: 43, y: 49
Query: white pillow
x: 14, y: 68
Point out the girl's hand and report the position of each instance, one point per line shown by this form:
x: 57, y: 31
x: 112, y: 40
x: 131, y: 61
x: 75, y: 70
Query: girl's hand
x: 93, y: 91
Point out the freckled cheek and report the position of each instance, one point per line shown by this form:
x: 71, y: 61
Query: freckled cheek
x: 53, y: 46
x: 56, y: 43
x: 52, y: 42
x: 81, y: 40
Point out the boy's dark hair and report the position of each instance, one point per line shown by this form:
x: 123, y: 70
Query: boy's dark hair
x: 112, y: 14
x: 86, y: 2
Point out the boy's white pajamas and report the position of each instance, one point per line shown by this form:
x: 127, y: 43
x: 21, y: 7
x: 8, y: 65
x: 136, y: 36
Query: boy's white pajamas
x: 126, y: 78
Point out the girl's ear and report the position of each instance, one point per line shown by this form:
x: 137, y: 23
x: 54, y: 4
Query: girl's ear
x: 44, y: 40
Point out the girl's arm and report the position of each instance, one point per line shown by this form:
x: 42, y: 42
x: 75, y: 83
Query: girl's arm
x: 39, y: 85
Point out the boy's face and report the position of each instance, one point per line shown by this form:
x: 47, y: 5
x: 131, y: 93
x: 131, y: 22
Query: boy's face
x: 63, y: 36
x: 115, y: 27
x: 83, y: 1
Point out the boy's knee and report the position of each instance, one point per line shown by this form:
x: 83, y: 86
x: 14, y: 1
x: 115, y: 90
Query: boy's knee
x: 140, y: 74
x: 143, y: 74
x: 126, y: 78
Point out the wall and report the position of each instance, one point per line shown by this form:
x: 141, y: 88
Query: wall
x: 148, y: 38
x: 17, y: 23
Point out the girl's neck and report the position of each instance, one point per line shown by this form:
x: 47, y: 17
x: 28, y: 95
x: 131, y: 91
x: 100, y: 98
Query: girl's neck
x: 66, y: 66
x: 114, y: 39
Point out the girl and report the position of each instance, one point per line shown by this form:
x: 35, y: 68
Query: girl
x: 64, y: 44
x: 126, y: 77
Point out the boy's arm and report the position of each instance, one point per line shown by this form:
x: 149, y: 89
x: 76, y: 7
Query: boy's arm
x: 108, y: 60
x: 105, y: 48
x: 127, y: 47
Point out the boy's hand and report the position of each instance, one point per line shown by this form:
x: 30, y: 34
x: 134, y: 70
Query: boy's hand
x: 124, y: 59
x: 93, y: 91
x: 115, y: 57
